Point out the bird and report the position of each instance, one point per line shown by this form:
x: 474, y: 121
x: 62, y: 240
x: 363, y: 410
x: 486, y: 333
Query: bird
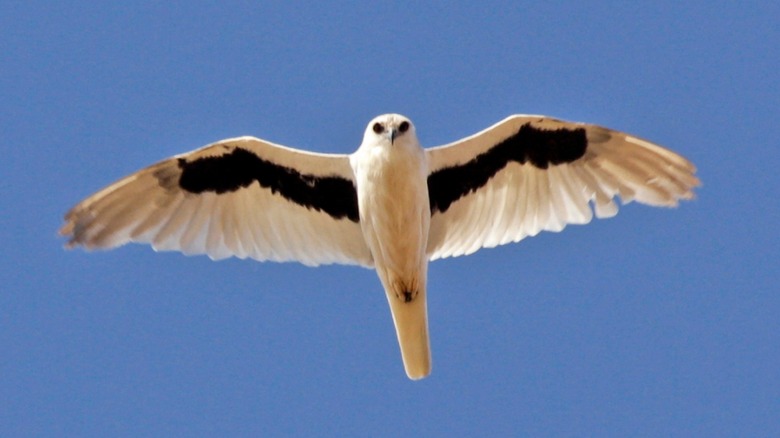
x: 391, y: 206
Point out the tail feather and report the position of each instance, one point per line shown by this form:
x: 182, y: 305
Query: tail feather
x: 411, y: 325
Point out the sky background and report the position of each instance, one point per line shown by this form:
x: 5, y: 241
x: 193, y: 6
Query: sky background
x: 657, y: 322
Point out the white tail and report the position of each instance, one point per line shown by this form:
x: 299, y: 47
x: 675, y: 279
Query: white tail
x: 411, y: 326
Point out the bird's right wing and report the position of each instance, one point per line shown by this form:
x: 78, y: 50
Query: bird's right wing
x: 241, y: 197
x: 526, y: 174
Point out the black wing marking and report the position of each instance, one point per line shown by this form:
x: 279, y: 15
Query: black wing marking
x: 239, y: 168
x: 538, y: 147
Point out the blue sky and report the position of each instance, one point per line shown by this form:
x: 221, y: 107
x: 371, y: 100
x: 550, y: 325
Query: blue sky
x: 654, y: 323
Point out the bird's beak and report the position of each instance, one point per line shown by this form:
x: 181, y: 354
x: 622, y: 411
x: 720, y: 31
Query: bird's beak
x: 393, y: 133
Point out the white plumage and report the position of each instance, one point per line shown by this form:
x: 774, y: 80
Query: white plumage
x: 391, y: 205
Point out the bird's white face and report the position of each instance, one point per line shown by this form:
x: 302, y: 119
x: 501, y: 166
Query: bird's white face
x: 390, y: 130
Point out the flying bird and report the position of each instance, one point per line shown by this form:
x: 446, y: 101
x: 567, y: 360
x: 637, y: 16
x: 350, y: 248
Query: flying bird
x: 391, y: 205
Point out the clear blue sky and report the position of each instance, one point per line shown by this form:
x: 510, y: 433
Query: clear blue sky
x: 656, y: 322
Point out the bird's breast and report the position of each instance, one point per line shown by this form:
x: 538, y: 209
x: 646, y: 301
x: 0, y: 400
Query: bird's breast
x: 394, y: 207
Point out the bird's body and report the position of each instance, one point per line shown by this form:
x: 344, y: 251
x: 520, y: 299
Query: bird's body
x: 395, y: 216
x: 391, y: 205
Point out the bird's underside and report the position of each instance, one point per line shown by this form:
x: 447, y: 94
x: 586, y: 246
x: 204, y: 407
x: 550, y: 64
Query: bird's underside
x: 391, y: 205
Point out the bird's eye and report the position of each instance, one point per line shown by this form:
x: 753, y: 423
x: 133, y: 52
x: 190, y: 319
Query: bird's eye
x: 378, y: 128
x: 403, y: 127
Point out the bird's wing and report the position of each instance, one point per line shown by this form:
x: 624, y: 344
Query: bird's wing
x: 241, y: 197
x: 526, y: 174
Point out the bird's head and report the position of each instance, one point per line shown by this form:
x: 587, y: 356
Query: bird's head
x: 390, y: 130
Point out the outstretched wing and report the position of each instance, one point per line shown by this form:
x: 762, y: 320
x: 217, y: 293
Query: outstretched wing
x: 241, y: 197
x: 526, y: 174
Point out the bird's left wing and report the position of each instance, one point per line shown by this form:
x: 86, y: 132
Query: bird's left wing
x: 526, y: 174
x: 241, y: 197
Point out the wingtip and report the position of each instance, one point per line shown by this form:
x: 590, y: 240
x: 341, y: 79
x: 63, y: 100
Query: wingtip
x: 66, y: 230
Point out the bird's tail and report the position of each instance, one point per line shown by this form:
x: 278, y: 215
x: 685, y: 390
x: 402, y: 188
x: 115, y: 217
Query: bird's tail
x: 410, y: 315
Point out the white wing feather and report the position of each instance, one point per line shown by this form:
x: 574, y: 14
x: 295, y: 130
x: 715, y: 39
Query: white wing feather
x: 250, y: 222
x: 521, y: 200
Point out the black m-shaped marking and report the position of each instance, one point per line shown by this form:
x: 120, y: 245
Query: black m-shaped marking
x: 538, y: 147
x: 239, y: 168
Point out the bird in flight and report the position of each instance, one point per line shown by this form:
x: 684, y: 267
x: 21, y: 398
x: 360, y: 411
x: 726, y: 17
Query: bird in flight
x: 391, y: 205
